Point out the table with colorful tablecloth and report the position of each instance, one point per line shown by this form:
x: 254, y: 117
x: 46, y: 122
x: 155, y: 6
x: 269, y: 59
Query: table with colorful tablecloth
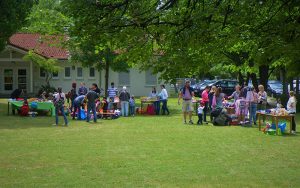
x: 40, y: 106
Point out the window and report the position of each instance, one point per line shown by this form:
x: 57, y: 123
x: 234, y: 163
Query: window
x: 8, y: 79
x: 79, y: 72
x: 92, y: 72
x: 150, y: 78
x: 67, y: 72
x: 22, y: 79
x: 42, y: 72
x: 55, y: 75
x: 124, y: 78
x: 232, y: 84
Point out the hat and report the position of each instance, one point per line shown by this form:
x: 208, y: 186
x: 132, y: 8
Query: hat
x: 124, y: 87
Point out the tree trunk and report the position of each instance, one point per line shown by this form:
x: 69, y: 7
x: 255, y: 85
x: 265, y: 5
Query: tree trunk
x: 254, y: 80
x: 240, y: 78
x: 284, y: 81
x: 263, y: 75
x: 106, y: 76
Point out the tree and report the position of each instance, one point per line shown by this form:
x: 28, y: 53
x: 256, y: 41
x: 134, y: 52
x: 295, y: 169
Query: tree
x: 12, y: 17
x: 48, y: 65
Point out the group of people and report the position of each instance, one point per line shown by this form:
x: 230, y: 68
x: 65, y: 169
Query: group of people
x: 246, y: 100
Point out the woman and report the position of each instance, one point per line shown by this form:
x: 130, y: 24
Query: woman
x: 262, y: 98
x: 153, y: 93
x: 291, y: 108
x: 218, y: 99
x: 164, y: 98
x: 211, y: 95
x: 252, y: 99
x: 156, y: 104
x: 59, y: 101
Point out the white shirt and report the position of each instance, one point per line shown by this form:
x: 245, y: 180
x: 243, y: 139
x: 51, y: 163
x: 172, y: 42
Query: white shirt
x: 200, y: 109
x: 164, y: 94
x: 57, y: 96
x: 291, y: 105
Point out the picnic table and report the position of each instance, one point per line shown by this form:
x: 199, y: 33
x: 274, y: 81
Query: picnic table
x: 275, y: 119
x: 148, y: 100
x: 40, y: 106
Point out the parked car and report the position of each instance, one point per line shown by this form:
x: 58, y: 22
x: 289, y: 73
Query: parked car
x: 198, y: 89
x: 227, y: 85
x: 274, y: 87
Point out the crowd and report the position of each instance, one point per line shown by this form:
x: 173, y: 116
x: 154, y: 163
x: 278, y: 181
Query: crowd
x: 89, y: 99
x: 247, y: 101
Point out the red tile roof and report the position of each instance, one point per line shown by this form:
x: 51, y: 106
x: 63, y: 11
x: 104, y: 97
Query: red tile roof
x: 45, y: 46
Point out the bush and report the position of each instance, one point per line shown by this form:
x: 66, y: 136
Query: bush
x: 48, y: 89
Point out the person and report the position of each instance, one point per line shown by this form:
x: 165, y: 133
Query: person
x: 132, y: 106
x: 72, y: 94
x: 211, y: 95
x: 291, y: 108
x: 205, y: 100
x: 16, y: 93
x: 164, y: 99
x: 153, y: 94
x: 112, y: 93
x: 97, y: 90
x: 235, y: 95
x: 77, y: 103
x: 200, y: 110
x: 124, y: 98
x: 218, y: 99
x: 186, y: 94
x: 262, y: 98
x: 82, y: 90
x: 252, y: 99
x: 59, y: 101
x: 91, y: 97
x: 244, y: 90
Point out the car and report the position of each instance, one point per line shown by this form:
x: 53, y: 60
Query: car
x: 227, y: 85
x: 274, y: 87
x: 201, y: 86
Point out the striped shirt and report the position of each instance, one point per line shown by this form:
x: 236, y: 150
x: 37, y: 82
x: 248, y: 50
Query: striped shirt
x: 112, y: 92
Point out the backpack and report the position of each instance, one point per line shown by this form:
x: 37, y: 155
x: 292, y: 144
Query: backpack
x: 24, y: 110
x: 150, y: 110
x: 60, y: 101
x: 221, y: 120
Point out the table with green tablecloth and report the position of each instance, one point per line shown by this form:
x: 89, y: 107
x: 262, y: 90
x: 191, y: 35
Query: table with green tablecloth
x: 40, y: 106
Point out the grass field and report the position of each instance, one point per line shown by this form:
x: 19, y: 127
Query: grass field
x: 143, y: 151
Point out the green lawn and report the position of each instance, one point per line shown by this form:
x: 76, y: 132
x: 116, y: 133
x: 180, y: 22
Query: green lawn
x: 156, y: 151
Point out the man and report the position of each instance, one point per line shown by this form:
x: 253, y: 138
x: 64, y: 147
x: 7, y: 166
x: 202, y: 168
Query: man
x: 77, y: 103
x: 82, y: 90
x: 186, y: 94
x: 205, y: 101
x: 112, y: 92
x: 164, y: 99
x: 91, y: 96
x: 124, y: 98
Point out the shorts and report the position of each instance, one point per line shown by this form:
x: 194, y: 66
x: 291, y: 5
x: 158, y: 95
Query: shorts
x: 187, y: 106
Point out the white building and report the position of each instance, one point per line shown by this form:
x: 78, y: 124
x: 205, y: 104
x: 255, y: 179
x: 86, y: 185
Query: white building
x: 16, y: 73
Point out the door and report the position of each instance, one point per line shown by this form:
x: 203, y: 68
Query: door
x: 8, y: 80
x: 22, y: 79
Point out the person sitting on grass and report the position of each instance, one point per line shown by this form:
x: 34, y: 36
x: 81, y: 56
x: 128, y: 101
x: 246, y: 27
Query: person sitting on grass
x: 59, y: 101
x: 91, y: 97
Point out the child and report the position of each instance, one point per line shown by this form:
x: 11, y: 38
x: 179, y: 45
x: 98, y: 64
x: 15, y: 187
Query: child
x: 131, y: 106
x: 200, y: 112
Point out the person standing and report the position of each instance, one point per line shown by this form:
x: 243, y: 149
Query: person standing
x: 218, y: 99
x: 59, y: 101
x: 91, y: 97
x: 211, y: 95
x: 124, y: 98
x: 82, y: 89
x: 186, y: 94
x: 291, y: 108
x: 236, y: 94
x: 72, y: 95
x: 262, y: 98
x: 252, y: 99
x: 112, y: 93
x: 200, y: 112
x: 156, y: 104
x: 164, y: 99
x: 132, y: 106
x: 205, y: 101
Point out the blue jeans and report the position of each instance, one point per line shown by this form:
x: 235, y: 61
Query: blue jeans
x: 62, y: 110
x: 157, y: 107
x: 131, y: 110
x: 253, y: 109
x: 164, y: 106
x: 93, y: 108
x: 124, y: 108
x: 76, y: 108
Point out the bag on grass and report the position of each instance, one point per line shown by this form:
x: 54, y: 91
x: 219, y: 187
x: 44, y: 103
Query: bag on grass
x: 221, y: 120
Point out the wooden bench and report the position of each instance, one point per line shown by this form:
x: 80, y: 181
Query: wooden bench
x: 106, y: 113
